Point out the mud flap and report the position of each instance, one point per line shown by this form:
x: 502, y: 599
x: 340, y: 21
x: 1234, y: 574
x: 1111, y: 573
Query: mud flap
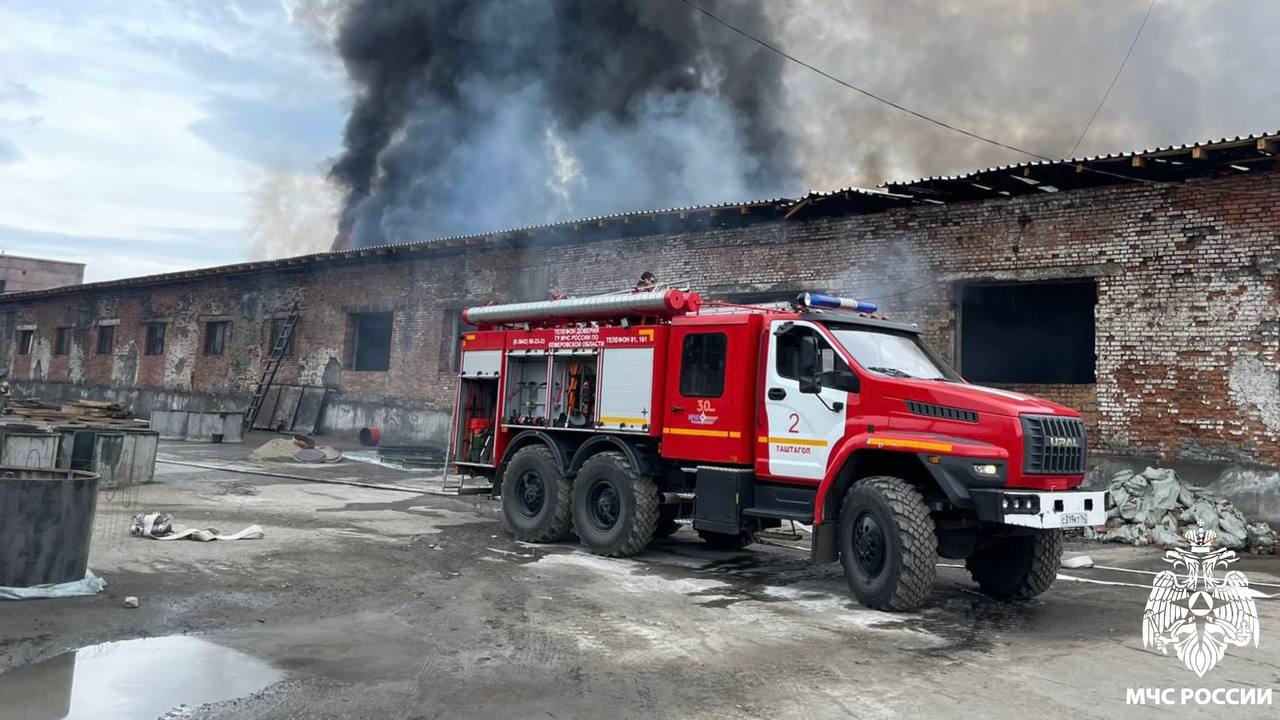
x: 822, y: 545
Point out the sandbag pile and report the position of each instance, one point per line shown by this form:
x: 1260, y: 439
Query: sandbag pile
x: 1155, y: 507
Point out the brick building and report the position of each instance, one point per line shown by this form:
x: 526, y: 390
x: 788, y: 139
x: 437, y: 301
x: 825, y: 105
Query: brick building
x: 24, y: 274
x: 1140, y: 288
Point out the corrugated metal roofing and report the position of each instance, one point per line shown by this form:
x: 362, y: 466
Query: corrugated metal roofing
x: 994, y: 182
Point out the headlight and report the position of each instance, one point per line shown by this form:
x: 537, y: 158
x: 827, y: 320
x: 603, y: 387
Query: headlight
x: 987, y: 469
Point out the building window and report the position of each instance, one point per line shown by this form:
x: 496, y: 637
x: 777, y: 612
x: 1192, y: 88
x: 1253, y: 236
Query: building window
x: 62, y: 341
x: 1037, y: 333
x: 277, y: 324
x: 371, y: 341
x: 25, y: 339
x: 215, y: 337
x: 106, y: 339
x: 155, y: 339
x: 2, y: 284
x: 702, y: 361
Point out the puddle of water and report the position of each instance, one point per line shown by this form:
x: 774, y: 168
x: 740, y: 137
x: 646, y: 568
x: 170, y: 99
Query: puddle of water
x: 142, y: 679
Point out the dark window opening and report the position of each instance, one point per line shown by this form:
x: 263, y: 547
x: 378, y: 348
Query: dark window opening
x: 106, y: 339
x: 215, y: 337
x: 62, y: 341
x: 371, y: 341
x: 702, y: 363
x: 25, y: 339
x: 155, y: 339
x: 277, y: 324
x: 1039, y: 333
x: 2, y: 284
x: 832, y: 371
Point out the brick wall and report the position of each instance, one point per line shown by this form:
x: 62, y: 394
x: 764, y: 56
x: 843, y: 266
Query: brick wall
x: 1187, y: 337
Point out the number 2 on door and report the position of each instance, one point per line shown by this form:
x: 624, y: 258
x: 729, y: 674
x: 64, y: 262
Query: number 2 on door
x: 795, y: 420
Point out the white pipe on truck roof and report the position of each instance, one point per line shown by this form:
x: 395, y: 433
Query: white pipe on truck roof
x: 665, y: 303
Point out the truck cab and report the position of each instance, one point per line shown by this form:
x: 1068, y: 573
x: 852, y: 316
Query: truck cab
x: 735, y: 419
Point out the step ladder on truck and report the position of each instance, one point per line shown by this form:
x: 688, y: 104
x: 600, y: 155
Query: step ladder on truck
x: 618, y: 416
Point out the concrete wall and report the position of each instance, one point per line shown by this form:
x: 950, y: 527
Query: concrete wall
x: 1187, y: 339
x: 22, y: 274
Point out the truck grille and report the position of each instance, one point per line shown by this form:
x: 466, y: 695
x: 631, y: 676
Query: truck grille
x: 942, y: 411
x: 1052, y: 445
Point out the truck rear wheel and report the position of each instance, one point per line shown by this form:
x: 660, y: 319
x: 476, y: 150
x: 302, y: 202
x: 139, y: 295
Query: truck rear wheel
x: 887, y: 544
x: 615, y: 508
x: 1018, y: 567
x: 536, y: 496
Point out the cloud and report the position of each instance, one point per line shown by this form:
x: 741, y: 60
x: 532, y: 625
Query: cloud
x: 8, y: 151
x: 108, y: 257
x: 18, y: 94
x: 155, y: 122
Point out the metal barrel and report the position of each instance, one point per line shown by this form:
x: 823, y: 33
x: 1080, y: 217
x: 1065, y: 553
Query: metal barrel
x: 46, y: 523
x: 663, y: 303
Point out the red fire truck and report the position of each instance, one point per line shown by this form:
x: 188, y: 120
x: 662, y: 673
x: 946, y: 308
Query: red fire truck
x: 615, y: 416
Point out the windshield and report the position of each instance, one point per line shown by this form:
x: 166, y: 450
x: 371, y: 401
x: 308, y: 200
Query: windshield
x: 894, y: 354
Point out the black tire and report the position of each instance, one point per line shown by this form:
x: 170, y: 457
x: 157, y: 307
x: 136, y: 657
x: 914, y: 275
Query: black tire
x: 536, y: 496
x: 887, y: 544
x: 726, y: 541
x: 1016, y: 568
x: 615, y: 508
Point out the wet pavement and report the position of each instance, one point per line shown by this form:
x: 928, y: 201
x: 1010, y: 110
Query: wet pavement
x: 144, y: 678
x: 367, y: 603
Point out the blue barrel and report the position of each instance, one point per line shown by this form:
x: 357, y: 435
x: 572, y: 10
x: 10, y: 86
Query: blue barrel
x: 46, y: 524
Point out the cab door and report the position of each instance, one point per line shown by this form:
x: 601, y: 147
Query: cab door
x: 708, y: 397
x: 802, y: 429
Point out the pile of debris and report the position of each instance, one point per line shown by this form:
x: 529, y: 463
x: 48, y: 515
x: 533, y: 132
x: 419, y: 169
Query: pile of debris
x: 298, y: 448
x: 93, y: 412
x: 1155, y: 507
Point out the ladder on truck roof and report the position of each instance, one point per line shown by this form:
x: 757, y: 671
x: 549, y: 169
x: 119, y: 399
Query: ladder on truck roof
x: 272, y: 365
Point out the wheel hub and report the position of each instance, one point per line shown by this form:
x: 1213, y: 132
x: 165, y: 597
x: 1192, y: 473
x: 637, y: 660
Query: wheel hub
x: 604, y: 506
x: 868, y: 544
x: 530, y: 494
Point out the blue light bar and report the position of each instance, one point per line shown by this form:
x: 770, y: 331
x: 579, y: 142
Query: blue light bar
x: 815, y: 300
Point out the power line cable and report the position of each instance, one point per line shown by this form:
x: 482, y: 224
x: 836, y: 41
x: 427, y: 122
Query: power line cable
x: 1114, y: 79
x: 779, y: 51
x: 915, y: 113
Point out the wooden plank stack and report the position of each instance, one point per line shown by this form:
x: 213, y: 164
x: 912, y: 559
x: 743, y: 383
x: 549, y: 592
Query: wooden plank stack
x: 80, y: 413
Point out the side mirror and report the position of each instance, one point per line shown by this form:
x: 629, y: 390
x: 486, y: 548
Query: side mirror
x: 807, y: 361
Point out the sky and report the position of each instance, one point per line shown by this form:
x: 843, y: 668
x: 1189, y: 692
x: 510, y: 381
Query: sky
x: 158, y: 135
x: 138, y: 137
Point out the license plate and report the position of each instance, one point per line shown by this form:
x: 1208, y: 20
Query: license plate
x: 1077, y: 519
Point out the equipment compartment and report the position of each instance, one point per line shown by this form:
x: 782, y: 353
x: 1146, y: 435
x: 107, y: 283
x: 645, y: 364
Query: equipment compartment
x: 477, y: 411
x: 573, y: 389
x: 525, y: 402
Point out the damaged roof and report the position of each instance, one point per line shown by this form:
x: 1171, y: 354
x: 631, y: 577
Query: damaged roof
x: 1161, y: 166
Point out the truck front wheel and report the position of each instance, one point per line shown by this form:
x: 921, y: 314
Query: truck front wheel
x: 615, y: 508
x: 1018, y: 567
x: 887, y: 544
x: 535, y: 496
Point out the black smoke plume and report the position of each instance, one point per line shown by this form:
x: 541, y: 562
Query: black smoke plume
x: 474, y: 115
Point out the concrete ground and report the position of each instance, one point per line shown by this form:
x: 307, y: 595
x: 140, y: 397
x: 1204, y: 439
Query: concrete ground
x: 381, y: 604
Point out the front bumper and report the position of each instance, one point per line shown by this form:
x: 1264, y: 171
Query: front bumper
x: 1041, y: 510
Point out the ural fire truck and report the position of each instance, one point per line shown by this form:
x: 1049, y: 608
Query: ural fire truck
x: 613, y: 417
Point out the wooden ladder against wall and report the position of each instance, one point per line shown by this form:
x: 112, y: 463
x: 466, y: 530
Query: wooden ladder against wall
x: 272, y: 366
